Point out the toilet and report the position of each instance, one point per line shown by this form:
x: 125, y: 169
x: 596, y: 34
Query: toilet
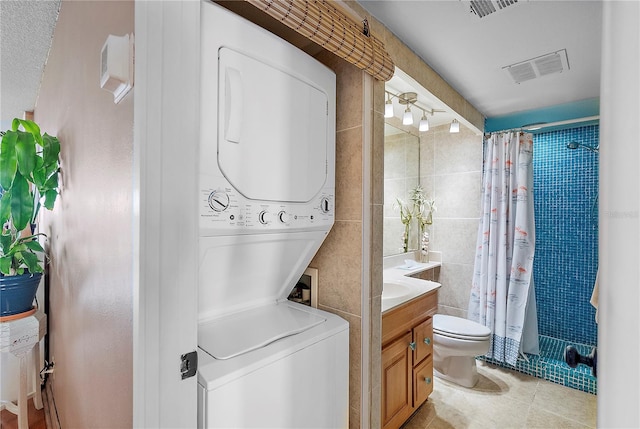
x: 456, y: 343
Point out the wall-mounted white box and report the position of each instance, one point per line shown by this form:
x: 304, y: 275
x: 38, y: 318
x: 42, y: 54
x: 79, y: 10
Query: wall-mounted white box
x: 116, y: 66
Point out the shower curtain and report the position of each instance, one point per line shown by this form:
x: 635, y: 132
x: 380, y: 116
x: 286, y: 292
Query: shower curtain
x: 502, y: 277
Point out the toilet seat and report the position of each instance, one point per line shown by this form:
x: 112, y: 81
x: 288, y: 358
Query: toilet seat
x: 459, y: 328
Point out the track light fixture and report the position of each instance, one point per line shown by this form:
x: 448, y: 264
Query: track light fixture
x: 407, y: 118
x: 388, y: 107
x: 408, y: 99
x: 455, y: 126
x: 424, y: 122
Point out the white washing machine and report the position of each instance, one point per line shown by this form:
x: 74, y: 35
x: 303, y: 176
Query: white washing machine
x: 267, y: 173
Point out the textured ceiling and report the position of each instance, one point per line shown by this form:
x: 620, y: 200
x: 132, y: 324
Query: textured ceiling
x: 26, y: 30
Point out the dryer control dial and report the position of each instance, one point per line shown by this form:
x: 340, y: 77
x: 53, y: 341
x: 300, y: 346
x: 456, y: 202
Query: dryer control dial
x: 282, y: 216
x: 219, y: 201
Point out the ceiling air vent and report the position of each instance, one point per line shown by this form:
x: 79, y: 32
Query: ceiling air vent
x: 554, y: 62
x: 483, y: 8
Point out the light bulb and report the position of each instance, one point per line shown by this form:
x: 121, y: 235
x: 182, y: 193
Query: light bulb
x: 388, y: 109
x: 407, y: 118
x: 424, y: 123
x: 455, y: 126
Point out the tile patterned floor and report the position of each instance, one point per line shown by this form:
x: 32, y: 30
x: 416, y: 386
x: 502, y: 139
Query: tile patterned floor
x: 505, y: 399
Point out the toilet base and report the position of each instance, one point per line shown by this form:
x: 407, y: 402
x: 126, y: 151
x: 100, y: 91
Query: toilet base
x: 460, y: 370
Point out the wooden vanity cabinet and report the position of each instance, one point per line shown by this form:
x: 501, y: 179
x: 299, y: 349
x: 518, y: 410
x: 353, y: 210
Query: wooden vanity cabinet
x: 407, y: 358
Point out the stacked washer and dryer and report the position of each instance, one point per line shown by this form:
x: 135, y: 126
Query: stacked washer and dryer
x: 267, y: 194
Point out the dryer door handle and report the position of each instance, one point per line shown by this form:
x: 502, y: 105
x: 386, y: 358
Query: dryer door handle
x: 233, y: 105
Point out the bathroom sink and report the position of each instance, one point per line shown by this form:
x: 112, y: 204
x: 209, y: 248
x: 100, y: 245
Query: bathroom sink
x: 394, y: 294
x: 394, y: 290
x: 399, y: 287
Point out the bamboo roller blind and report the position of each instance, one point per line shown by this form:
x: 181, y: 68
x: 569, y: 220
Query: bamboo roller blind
x: 325, y: 25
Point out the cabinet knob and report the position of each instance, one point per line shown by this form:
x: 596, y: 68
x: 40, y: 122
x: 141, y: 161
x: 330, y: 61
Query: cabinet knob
x: 412, y: 345
x: 427, y: 380
x: 427, y: 341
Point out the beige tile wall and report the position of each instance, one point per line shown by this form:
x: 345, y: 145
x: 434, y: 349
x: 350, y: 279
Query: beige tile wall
x: 340, y: 259
x: 451, y: 171
x: 349, y: 261
x: 375, y: 263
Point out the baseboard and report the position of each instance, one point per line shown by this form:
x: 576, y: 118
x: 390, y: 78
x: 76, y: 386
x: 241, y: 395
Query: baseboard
x: 50, y: 411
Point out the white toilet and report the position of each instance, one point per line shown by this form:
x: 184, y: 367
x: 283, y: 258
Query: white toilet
x: 456, y: 343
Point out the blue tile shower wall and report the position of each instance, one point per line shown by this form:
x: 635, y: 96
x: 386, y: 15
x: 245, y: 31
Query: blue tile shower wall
x: 566, y: 215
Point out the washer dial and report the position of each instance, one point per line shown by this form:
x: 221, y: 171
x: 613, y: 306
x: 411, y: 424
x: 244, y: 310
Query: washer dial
x: 324, y: 205
x: 219, y: 201
x: 263, y: 217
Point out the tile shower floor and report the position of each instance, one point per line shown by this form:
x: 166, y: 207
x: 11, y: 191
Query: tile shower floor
x: 505, y: 399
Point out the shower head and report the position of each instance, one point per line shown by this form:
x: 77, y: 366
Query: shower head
x: 576, y: 145
x: 573, y: 145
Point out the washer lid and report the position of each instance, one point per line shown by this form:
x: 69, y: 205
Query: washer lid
x: 459, y: 327
x: 249, y: 330
x: 240, y: 272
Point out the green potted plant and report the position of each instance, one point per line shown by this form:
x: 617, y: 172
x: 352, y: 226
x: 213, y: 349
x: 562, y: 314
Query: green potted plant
x: 29, y: 166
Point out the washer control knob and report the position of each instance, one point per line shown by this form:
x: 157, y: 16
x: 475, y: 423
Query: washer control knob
x: 282, y: 216
x: 262, y: 217
x: 219, y: 201
x: 324, y: 205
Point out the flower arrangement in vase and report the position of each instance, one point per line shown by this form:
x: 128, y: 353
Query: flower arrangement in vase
x: 423, y: 209
x: 406, y: 215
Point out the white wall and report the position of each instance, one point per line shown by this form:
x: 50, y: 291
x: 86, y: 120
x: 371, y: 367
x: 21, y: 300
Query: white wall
x: 89, y: 232
x: 619, y: 327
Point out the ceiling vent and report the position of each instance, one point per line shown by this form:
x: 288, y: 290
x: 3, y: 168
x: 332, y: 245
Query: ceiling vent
x: 482, y: 8
x: 554, y: 62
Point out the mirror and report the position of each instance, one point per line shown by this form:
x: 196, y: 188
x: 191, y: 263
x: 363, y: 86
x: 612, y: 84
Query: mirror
x: 410, y: 154
x: 401, y: 175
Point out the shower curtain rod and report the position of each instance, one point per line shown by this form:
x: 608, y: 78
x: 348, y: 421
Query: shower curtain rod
x: 537, y: 126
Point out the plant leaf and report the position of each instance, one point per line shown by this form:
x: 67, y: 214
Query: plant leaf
x: 52, y: 182
x: 50, y: 150
x: 33, y: 244
x: 6, y: 240
x: 31, y: 261
x: 50, y: 198
x: 5, y: 207
x: 5, y: 265
x: 21, y: 202
x: 30, y: 127
x: 26, y: 153
x: 39, y: 176
x: 8, y: 159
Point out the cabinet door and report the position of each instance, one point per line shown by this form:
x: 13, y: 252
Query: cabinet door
x: 422, y: 381
x: 396, y: 382
x: 423, y: 337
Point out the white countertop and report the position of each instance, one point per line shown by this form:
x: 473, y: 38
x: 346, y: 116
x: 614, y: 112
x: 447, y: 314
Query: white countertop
x: 411, y: 287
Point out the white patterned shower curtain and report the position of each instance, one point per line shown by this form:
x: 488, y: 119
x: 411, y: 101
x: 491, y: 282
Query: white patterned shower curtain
x: 502, y: 276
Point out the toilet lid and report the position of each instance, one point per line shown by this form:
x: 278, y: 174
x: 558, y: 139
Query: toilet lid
x: 458, y: 327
